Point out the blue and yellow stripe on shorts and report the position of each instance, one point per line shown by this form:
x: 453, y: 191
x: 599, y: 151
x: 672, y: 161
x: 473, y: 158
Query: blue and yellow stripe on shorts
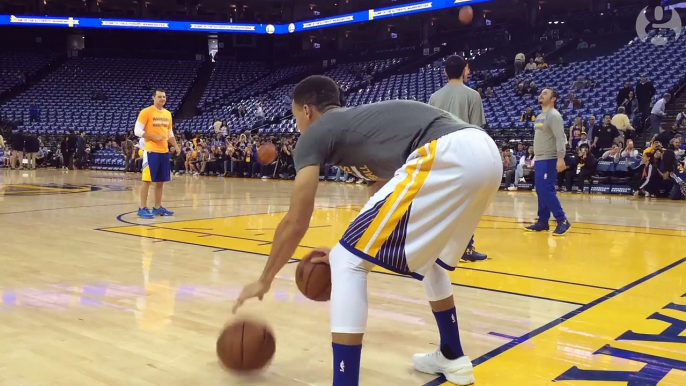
x: 145, y: 169
x: 378, y: 235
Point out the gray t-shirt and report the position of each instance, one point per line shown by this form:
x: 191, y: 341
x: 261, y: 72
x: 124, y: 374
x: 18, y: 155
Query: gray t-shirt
x: 372, y: 141
x: 549, y: 136
x: 460, y: 101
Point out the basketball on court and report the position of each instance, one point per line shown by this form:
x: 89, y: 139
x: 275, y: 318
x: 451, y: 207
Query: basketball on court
x: 266, y: 153
x: 246, y: 346
x: 466, y: 15
x: 314, y: 279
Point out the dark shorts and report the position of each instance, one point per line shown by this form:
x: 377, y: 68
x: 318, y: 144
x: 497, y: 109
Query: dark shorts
x: 158, y: 167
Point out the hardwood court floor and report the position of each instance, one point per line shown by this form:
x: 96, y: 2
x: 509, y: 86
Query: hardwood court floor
x: 91, y: 295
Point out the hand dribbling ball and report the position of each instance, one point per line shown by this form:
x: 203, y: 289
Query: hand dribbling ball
x: 246, y: 346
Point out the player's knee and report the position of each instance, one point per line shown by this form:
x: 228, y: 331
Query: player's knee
x: 437, y: 284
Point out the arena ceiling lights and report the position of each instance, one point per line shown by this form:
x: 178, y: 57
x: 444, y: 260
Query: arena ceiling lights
x: 276, y: 29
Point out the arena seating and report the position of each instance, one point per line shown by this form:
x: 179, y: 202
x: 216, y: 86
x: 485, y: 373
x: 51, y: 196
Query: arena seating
x: 14, y: 66
x: 415, y: 86
x: 66, y: 96
x: 229, y: 76
x: 108, y: 159
x: 267, y: 82
x: 661, y: 64
x: 275, y: 104
x: 349, y: 75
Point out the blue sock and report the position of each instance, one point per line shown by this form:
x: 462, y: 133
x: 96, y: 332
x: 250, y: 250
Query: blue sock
x: 346, y: 365
x: 451, y: 347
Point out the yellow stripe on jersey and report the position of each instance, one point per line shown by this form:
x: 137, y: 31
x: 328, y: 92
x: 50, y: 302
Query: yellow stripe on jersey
x: 398, y: 202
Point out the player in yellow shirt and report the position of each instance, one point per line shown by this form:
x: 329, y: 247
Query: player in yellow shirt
x: 154, y: 125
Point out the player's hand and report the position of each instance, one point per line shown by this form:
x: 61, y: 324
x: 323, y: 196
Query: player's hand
x: 252, y: 290
x: 561, y: 166
x: 156, y: 137
x: 325, y: 251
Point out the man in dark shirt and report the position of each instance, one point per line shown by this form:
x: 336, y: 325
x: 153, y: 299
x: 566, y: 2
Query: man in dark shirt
x: 666, y: 136
x: 604, y: 136
x: 71, y: 149
x: 81, y: 159
x: 644, y: 94
x: 624, y: 93
x: 17, y: 150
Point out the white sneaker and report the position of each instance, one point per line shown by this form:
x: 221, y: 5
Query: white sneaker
x: 512, y: 188
x: 458, y: 371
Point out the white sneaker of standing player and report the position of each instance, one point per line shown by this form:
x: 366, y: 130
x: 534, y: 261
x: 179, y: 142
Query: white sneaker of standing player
x: 458, y: 371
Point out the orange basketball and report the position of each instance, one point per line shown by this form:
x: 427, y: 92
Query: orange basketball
x: 266, y: 154
x: 314, y: 279
x: 246, y: 346
x: 466, y: 15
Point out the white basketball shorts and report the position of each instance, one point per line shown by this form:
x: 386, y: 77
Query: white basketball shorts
x: 427, y: 213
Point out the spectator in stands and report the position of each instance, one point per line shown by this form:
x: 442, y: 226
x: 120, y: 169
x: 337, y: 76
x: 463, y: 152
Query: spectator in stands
x: 528, y: 115
x: 17, y: 150
x: 623, y: 93
x: 509, y: 165
x: 519, y: 63
x: 645, y: 91
x: 579, y: 84
x: 622, y: 123
x: 191, y: 158
x: 481, y: 92
x: 575, y: 133
x: 542, y: 65
x: 666, y: 136
x: 592, y: 125
x: 34, y: 112
x: 520, y: 152
x: 489, y: 92
x: 681, y: 120
x: 657, y: 114
x: 539, y: 58
x: 220, y: 159
x: 648, y: 175
x: 573, y: 102
x: 530, y: 87
x: 525, y: 168
x: 2, y: 142
x: 671, y: 167
x: 531, y: 66
x: 127, y: 151
x: 614, y: 154
x: 560, y: 62
x: 630, y: 151
x: 178, y: 158
x: 630, y: 104
x: 584, y: 140
x: 604, y: 137
x: 584, y: 168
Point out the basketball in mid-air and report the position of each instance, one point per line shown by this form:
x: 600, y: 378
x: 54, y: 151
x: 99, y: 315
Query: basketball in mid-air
x: 245, y: 346
x: 466, y: 15
x: 314, y: 279
x: 266, y: 154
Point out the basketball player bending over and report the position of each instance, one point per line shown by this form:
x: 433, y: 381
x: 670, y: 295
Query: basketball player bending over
x: 431, y: 178
x: 154, y: 124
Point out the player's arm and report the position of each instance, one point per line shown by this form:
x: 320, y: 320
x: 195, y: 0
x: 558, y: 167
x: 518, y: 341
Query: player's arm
x: 557, y: 127
x: 172, y: 139
x: 289, y: 232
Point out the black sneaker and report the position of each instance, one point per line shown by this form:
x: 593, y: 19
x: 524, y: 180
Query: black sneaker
x: 538, y: 227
